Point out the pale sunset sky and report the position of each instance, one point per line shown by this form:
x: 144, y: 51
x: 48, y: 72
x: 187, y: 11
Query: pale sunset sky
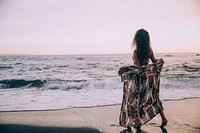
x: 49, y: 27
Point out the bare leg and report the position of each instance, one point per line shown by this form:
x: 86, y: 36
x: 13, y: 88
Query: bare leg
x: 164, y: 120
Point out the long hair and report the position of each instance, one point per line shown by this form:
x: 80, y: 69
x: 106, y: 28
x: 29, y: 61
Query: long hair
x: 142, y: 43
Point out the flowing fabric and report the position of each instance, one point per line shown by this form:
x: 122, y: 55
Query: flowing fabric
x: 140, y: 101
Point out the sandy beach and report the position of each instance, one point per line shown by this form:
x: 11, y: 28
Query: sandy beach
x: 183, y: 117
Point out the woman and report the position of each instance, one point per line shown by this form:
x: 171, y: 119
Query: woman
x: 141, y: 55
x: 140, y: 100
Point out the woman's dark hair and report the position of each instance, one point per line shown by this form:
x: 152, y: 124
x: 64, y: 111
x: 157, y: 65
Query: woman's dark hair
x: 142, y: 43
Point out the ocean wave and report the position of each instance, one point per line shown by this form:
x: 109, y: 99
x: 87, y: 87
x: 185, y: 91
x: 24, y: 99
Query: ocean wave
x: 80, y: 58
x: 66, y: 85
x: 5, y: 67
x: 61, y: 80
x: 53, y: 84
x: 63, y: 66
x: 18, y: 83
x: 181, y: 76
x: 59, y: 84
x: 168, y: 55
x: 35, y: 69
x: 19, y: 63
x: 185, y: 67
x: 191, y: 68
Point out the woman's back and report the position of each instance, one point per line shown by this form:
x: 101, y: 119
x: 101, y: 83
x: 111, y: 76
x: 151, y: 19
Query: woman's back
x: 145, y: 62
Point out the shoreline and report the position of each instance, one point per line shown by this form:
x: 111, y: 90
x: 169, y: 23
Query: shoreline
x: 76, y: 107
x: 183, y: 116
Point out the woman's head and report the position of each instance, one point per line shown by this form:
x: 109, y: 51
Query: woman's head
x: 141, y: 43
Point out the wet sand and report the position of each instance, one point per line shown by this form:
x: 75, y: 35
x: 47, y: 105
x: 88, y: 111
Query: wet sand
x: 183, y: 117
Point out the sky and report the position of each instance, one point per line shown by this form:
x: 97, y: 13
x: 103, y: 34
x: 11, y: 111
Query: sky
x: 60, y: 27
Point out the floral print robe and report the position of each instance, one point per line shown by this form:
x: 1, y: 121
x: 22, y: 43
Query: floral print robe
x: 140, y: 101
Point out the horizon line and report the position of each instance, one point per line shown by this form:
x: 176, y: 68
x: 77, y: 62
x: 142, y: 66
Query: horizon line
x: 94, y: 54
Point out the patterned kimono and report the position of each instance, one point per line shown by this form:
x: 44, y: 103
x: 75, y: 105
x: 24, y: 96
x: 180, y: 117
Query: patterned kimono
x: 140, y: 101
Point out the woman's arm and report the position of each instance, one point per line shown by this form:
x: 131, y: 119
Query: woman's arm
x: 152, y: 57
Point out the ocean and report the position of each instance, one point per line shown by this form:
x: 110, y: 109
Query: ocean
x: 30, y: 82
